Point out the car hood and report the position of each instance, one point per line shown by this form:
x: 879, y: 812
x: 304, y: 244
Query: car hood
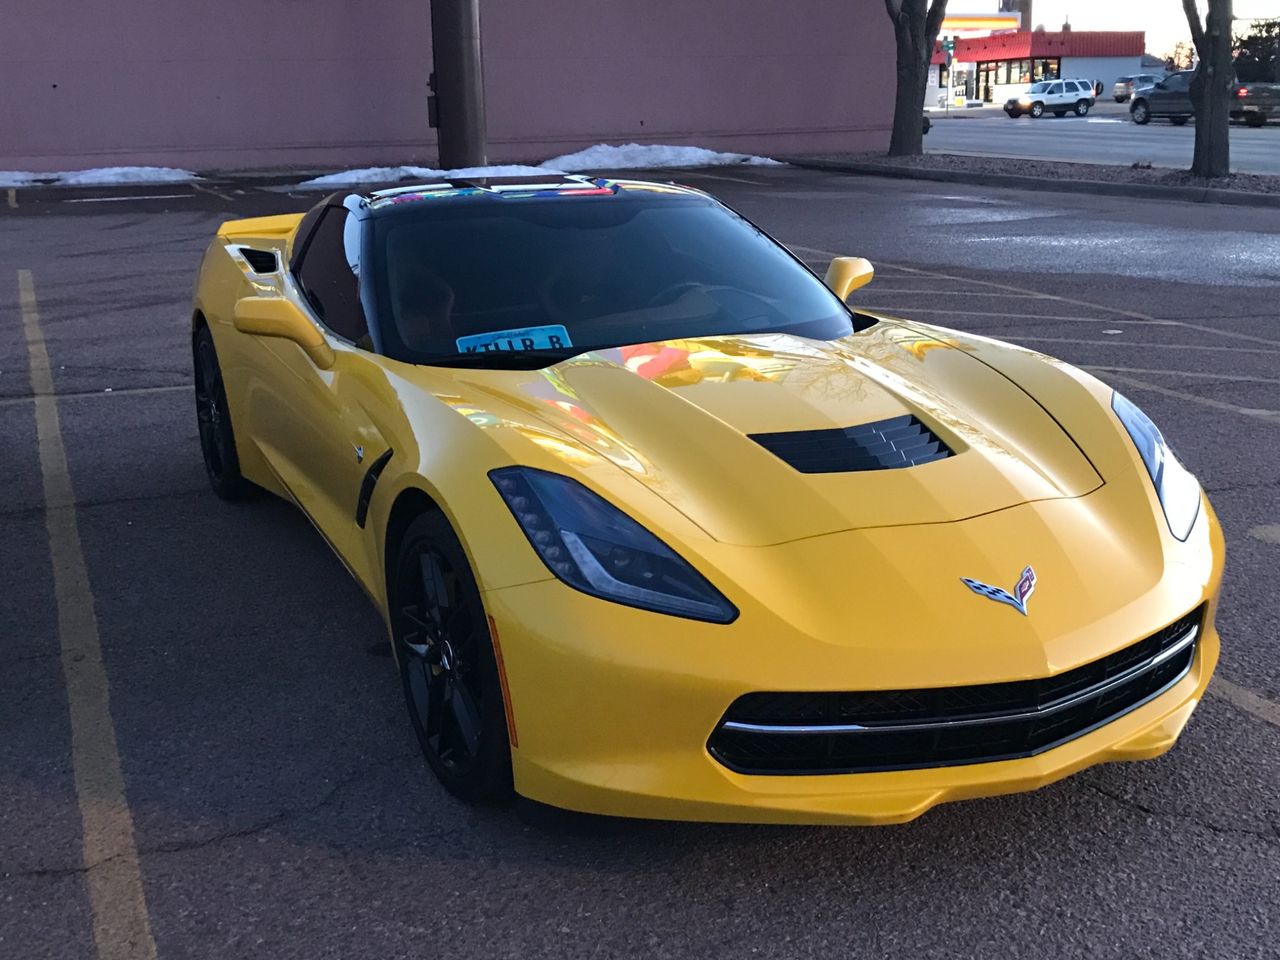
x: 678, y: 416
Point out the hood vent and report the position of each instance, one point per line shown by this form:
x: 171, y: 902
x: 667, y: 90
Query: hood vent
x: 262, y: 261
x: 897, y: 442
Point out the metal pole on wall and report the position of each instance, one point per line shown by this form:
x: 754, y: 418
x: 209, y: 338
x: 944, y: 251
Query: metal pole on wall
x: 458, y: 83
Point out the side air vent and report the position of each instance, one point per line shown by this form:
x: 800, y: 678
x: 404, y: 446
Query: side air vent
x: 897, y: 442
x: 262, y: 261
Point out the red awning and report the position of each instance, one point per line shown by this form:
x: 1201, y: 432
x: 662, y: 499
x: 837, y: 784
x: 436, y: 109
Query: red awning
x: 1029, y: 44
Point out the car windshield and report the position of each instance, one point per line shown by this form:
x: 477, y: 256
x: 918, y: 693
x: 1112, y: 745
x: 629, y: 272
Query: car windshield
x: 500, y: 281
x: 1038, y: 88
x: 1125, y: 80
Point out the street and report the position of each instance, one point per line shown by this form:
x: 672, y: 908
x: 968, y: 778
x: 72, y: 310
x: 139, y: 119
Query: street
x: 279, y: 801
x: 1106, y: 136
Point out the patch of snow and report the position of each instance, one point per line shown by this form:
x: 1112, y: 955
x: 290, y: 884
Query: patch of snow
x: 602, y: 156
x: 421, y: 174
x: 101, y: 175
x: 96, y: 176
x: 650, y: 156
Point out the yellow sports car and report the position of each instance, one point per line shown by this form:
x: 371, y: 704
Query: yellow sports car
x: 661, y: 528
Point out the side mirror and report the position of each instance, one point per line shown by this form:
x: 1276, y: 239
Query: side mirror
x: 847, y: 274
x: 278, y: 317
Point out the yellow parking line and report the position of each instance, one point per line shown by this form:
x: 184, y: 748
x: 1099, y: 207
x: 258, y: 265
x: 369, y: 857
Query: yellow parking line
x: 121, y: 926
x: 1246, y: 700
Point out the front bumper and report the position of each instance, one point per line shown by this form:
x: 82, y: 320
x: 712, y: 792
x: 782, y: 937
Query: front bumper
x: 614, y: 706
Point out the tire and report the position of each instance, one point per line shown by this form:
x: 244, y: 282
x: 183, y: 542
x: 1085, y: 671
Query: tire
x: 1014, y: 114
x: 1036, y: 111
x: 1121, y: 99
x: 447, y: 665
x: 1059, y: 113
x: 213, y: 419
x: 1254, y: 120
x: 1082, y: 108
x: 1178, y: 121
x: 1140, y: 113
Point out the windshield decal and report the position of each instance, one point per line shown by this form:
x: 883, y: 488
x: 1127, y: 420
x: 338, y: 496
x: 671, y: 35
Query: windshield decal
x: 549, y: 337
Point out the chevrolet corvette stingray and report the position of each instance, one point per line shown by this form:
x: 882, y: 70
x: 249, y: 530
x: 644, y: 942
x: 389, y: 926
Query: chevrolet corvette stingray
x: 661, y: 527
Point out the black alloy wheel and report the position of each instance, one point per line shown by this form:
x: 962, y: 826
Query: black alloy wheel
x: 217, y: 441
x: 447, y: 663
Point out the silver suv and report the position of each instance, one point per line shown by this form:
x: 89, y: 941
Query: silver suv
x: 1125, y: 87
x: 1057, y: 96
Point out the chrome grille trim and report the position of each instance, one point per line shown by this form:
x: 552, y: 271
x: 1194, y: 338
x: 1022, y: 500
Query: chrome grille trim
x: 996, y: 717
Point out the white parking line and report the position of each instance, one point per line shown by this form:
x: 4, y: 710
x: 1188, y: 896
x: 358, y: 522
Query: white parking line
x: 1268, y: 416
x: 1006, y: 316
x: 121, y: 925
x: 1231, y: 377
x: 1053, y: 296
x: 81, y: 394
x: 962, y: 293
x: 1141, y: 344
x: 140, y: 196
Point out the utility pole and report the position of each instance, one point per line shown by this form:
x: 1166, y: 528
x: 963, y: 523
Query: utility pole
x: 458, y: 83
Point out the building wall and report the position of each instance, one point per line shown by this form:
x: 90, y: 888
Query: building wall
x: 1106, y: 69
x: 271, y: 83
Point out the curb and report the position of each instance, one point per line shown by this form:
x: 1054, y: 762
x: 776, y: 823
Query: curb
x: 1105, y: 188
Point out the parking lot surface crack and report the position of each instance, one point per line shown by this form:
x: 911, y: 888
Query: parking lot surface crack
x: 1270, y: 834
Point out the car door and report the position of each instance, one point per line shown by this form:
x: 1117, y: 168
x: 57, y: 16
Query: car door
x: 319, y: 442
x: 1053, y: 96
x: 1172, y: 96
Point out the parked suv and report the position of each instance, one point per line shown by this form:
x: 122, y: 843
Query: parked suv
x: 1058, y: 96
x: 1170, y: 97
x: 1125, y: 86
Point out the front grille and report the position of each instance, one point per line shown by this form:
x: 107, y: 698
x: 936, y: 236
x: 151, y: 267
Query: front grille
x: 897, y: 442
x: 862, y: 732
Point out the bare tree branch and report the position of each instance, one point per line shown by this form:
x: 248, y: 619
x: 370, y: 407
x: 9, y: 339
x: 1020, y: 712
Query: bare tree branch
x: 937, y: 11
x: 1193, y: 20
x: 893, y: 10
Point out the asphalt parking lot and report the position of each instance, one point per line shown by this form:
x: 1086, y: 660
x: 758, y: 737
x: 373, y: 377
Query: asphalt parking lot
x: 278, y: 804
x: 1105, y: 136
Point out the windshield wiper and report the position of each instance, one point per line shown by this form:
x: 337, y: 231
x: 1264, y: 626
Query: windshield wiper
x: 507, y: 359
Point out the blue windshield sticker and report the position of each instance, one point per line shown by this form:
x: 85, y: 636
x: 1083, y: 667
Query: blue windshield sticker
x: 550, y: 337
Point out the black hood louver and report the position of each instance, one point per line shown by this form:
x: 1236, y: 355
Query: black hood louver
x: 262, y: 261
x: 884, y: 445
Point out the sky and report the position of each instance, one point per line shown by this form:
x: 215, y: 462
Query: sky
x: 1163, y: 20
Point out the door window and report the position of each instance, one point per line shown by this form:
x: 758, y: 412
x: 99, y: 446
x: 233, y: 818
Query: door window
x: 1055, y: 90
x: 329, y: 276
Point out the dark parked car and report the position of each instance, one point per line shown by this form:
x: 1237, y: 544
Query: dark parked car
x: 1255, y: 103
x: 1170, y: 97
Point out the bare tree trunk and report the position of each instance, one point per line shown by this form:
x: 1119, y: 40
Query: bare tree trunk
x: 1211, y: 87
x: 915, y: 29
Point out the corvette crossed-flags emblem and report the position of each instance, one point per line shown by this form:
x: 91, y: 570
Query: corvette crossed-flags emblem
x: 1022, y: 591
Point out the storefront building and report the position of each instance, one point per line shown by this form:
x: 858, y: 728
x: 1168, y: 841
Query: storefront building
x: 242, y: 84
x: 1000, y: 66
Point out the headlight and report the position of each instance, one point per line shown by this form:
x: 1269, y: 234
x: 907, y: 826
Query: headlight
x: 1178, y: 489
x: 594, y: 547
x: 1024, y: 99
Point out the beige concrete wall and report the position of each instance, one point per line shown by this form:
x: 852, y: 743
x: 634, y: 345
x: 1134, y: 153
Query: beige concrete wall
x: 251, y: 84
